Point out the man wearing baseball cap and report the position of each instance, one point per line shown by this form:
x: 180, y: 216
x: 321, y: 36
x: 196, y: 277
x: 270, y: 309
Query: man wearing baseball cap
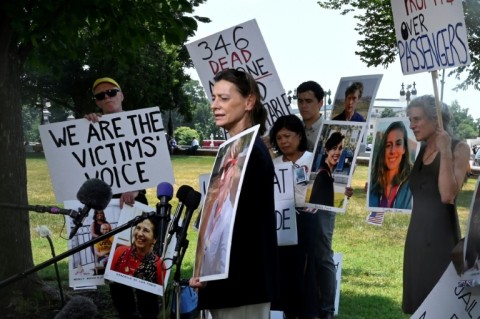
x: 109, y: 97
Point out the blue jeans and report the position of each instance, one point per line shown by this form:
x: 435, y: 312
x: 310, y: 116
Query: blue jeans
x: 326, y: 271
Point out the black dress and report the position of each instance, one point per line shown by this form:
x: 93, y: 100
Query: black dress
x: 433, y: 232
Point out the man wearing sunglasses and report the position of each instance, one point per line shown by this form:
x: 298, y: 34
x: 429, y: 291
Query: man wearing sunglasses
x: 109, y: 97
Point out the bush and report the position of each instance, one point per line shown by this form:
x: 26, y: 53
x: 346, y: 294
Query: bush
x: 184, y: 135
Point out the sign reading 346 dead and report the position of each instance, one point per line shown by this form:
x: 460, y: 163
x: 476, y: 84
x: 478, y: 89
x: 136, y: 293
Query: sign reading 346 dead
x: 241, y: 47
x: 431, y: 34
x: 127, y: 150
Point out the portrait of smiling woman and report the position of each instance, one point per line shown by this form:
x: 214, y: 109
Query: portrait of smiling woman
x: 391, y: 166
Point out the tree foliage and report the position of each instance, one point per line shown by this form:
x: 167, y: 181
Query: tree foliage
x: 44, y: 46
x: 378, y: 42
x: 463, y: 124
x: 388, y: 112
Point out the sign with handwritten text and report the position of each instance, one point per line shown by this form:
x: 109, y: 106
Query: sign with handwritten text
x: 284, y: 193
x: 431, y: 34
x: 241, y: 47
x: 449, y: 300
x: 127, y: 150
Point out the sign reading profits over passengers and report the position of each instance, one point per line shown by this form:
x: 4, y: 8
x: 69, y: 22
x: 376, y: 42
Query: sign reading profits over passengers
x: 241, y: 47
x: 431, y: 34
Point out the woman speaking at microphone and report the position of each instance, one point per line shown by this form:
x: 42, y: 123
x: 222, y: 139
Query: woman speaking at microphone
x: 252, y: 274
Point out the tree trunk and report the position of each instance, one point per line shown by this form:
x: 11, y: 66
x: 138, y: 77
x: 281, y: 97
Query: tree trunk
x: 15, y: 247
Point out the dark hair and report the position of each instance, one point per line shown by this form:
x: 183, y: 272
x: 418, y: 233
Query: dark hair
x: 292, y: 123
x: 154, y: 219
x: 379, y: 165
x: 246, y: 85
x: 95, y: 215
x: 311, y: 86
x: 427, y: 103
x: 334, y: 139
x: 355, y: 86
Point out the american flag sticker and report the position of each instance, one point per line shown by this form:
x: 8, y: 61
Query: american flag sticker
x: 375, y: 218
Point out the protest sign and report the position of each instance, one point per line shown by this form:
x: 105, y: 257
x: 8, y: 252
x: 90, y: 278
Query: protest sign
x: 285, y: 205
x: 431, y: 35
x: 241, y: 47
x: 449, y: 300
x: 127, y: 150
x: 215, y: 233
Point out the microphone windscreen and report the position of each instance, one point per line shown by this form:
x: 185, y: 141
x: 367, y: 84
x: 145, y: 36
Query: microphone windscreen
x: 193, y: 200
x: 165, y: 189
x: 95, y: 194
x: 183, y: 191
x: 79, y: 307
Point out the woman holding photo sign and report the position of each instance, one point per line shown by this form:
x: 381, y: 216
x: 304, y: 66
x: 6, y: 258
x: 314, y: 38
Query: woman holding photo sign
x: 436, y: 179
x: 299, y: 289
x: 252, y: 275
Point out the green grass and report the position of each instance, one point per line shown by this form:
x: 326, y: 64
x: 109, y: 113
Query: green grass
x: 371, y: 285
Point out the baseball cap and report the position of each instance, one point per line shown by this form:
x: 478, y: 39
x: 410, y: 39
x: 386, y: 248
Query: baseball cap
x: 104, y: 80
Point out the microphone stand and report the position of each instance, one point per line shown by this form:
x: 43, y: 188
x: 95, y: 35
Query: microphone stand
x: 177, y: 282
x: 74, y: 250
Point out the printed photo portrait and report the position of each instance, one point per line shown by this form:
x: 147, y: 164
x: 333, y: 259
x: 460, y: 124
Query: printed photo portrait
x: 218, y: 212
x: 391, y: 160
x: 354, y: 98
x: 134, y: 259
x: 87, y: 266
x: 335, y: 156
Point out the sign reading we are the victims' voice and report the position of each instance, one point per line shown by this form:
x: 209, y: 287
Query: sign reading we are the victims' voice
x: 242, y: 48
x: 431, y: 34
x: 127, y: 150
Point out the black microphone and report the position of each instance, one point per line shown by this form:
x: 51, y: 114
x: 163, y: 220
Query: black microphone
x: 53, y: 210
x: 43, y: 209
x: 191, y: 202
x: 182, y: 194
x: 94, y: 193
x: 164, y: 194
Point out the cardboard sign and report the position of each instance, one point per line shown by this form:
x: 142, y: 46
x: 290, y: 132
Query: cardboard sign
x: 241, y: 47
x: 431, y: 35
x: 285, y: 205
x: 448, y: 300
x: 127, y: 150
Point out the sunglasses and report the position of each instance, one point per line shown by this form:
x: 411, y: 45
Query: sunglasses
x: 102, y: 95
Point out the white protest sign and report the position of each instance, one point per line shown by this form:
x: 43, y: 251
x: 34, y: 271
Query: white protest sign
x: 241, y: 47
x: 285, y: 205
x: 448, y: 300
x: 431, y: 34
x: 127, y: 150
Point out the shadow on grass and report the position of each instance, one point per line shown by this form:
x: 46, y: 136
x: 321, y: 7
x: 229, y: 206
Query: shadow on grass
x: 368, y: 307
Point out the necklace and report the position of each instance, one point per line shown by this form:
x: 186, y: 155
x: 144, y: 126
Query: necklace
x: 426, y: 157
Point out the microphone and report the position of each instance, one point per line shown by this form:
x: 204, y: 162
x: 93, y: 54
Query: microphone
x: 191, y: 202
x: 43, y: 209
x: 53, y: 210
x: 182, y: 194
x: 164, y: 194
x: 94, y: 193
